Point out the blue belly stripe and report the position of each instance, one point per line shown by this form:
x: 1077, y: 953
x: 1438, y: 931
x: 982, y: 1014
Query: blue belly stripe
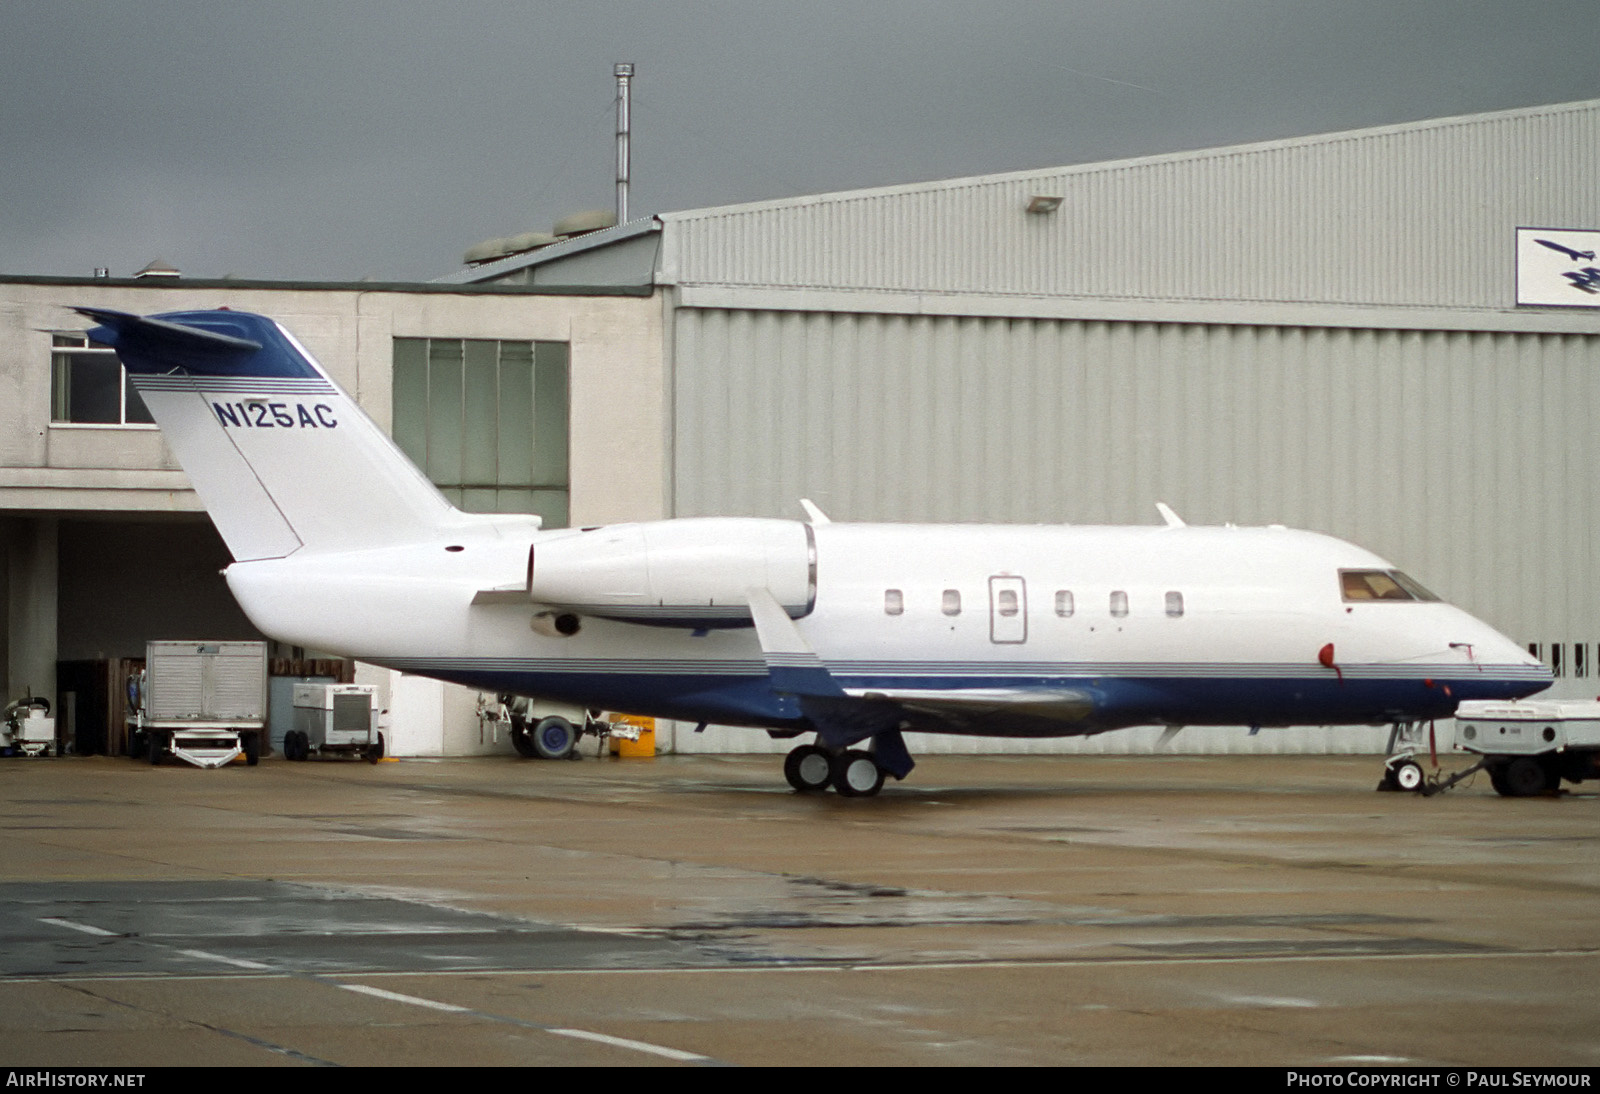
x: 741, y: 693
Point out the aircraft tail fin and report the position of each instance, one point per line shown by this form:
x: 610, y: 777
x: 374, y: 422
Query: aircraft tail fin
x: 281, y: 457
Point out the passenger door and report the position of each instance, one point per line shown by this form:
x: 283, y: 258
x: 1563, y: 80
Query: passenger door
x: 1008, y: 609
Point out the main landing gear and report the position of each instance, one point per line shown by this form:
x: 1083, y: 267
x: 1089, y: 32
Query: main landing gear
x: 853, y: 772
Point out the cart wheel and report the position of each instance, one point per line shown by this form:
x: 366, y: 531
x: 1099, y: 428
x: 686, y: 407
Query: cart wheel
x: 375, y: 750
x: 252, y: 749
x: 554, y: 738
x: 1524, y: 776
x: 157, y: 747
x: 1407, y: 776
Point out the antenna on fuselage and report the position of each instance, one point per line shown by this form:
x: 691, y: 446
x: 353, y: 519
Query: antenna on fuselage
x: 813, y: 514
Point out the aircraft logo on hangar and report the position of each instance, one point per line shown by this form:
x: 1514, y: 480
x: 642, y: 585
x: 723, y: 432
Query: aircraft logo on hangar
x: 1557, y: 267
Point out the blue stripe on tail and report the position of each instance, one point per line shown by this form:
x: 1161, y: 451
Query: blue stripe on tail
x: 232, y: 344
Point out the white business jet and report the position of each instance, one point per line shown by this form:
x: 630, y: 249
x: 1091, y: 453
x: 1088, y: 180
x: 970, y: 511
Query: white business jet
x: 855, y: 633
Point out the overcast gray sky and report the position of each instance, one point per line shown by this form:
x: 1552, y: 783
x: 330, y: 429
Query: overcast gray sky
x: 381, y: 138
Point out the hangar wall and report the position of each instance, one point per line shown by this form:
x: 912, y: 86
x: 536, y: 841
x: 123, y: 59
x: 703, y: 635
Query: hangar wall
x: 1413, y: 215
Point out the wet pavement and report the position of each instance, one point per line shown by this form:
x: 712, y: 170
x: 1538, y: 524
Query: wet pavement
x: 692, y: 910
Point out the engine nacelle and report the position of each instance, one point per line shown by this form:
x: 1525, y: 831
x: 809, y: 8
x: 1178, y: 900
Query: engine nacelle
x: 692, y: 572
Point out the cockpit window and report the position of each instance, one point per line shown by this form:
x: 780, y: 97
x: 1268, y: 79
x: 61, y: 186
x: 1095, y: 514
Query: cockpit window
x: 1381, y: 585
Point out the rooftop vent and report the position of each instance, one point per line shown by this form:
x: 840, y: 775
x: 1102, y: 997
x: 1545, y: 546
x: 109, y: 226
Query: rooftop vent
x: 591, y: 220
x: 530, y: 241
x: 491, y: 249
x: 159, y: 268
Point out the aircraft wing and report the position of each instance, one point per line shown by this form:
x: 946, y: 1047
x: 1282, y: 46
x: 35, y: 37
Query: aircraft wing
x: 843, y: 716
x: 983, y: 709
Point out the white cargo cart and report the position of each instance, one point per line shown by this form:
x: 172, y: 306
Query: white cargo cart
x: 201, y: 702
x: 27, y: 728
x: 335, y: 718
x: 1527, y: 747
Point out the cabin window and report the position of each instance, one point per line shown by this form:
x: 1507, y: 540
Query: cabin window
x: 1006, y: 602
x: 1119, y: 604
x: 1174, y: 604
x: 1381, y: 585
x: 894, y: 602
x: 1064, y: 606
x: 951, y: 602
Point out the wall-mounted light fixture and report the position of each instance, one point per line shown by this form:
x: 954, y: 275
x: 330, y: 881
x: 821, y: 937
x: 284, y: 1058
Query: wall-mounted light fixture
x: 1042, y: 203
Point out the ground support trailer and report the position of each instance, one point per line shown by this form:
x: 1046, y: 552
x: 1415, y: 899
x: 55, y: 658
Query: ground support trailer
x: 27, y: 728
x: 201, y: 702
x: 1527, y: 747
x: 335, y: 718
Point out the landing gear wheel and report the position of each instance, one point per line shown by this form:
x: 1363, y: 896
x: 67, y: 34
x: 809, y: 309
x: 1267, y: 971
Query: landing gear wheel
x: 1407, y: 776
x: 1524, y: 777
x: 856, y: 774
x: 375, y: 750
x: 554, y: 738
x: 521, y: 739
x: 808, y: 769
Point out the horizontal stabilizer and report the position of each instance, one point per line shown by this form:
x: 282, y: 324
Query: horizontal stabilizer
x: 147, y: 344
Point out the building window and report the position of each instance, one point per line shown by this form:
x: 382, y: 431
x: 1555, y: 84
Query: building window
x: 486, y: 421
x: 88, y: 385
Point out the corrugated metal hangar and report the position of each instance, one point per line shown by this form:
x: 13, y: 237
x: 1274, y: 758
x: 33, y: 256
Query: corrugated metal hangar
x: 1390, y: 335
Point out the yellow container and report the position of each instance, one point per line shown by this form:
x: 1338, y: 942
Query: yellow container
x: 646, y: 744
